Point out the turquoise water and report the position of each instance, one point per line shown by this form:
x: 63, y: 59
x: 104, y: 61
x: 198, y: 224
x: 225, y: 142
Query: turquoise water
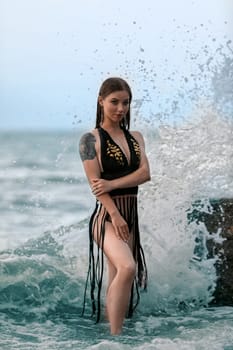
x: 45, y: 208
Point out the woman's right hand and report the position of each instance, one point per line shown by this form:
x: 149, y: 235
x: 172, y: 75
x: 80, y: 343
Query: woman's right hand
x: 120, y: 226
x: 101, y: 186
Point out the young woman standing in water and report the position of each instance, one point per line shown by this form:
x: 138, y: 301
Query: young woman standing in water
x: 115, y: 163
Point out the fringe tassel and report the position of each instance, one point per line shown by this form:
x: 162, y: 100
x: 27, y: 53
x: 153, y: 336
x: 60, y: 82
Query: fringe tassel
x: 127, y: 206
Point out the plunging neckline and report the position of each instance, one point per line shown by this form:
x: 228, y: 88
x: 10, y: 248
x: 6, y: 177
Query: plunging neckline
x: 128, y: 160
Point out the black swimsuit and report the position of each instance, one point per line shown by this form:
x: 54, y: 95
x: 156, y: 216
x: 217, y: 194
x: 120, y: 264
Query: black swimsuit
x: 115, y: 165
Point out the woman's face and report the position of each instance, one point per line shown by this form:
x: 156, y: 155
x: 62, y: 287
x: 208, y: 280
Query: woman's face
x: 115, y: 106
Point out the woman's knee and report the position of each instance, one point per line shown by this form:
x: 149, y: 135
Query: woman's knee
x: 127, y: 270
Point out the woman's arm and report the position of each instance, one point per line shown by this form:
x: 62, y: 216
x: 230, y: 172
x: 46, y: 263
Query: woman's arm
x: 88, y: 153
x: 138, y: 177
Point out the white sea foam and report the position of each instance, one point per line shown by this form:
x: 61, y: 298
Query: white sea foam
x: 189, y: 163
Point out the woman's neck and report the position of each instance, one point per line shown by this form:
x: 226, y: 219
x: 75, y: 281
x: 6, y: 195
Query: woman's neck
x: 113, y: 128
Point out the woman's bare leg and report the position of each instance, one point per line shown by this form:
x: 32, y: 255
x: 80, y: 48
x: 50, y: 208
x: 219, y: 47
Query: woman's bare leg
x: 119, y: 289
x: 111, y: 275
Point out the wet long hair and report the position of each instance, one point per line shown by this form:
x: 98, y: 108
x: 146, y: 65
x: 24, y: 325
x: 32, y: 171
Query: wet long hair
x: 109, y: 86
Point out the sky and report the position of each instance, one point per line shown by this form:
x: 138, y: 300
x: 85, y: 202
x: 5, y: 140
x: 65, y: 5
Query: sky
x: 56, y: 53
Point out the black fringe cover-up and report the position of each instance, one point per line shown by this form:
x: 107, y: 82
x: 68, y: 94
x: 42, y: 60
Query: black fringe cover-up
x: 115, y: 165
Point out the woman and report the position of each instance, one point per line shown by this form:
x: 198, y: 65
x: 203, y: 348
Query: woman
x: 115, y: 164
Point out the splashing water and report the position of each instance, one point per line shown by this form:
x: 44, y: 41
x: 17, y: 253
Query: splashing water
x: 188, y: 164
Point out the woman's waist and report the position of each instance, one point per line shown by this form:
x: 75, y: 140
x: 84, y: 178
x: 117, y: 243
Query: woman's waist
x: 124, y: 191
x: 116, y: 173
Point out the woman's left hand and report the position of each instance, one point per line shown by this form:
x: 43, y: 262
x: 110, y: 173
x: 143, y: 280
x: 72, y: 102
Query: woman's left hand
x: 100, y: 186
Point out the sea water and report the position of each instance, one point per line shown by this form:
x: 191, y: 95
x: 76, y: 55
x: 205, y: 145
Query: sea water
x: 45, y: 207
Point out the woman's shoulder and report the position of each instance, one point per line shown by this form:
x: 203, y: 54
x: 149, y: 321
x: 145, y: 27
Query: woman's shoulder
x: 137, y: 135
x: 88, y: 144
x: 87, y: 138
x: 88, y: 135
x: 139, y: 138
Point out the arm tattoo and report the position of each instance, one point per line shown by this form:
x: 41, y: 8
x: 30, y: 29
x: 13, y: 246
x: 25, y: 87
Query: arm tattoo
x: 87, y: 146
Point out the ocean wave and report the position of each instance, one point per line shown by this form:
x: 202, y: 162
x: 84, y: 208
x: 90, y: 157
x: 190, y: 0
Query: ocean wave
x: 38, y: 278
x: 46, y: 276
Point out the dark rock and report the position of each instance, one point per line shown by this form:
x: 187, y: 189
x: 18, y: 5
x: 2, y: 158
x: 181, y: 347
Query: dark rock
x: 218, y: 220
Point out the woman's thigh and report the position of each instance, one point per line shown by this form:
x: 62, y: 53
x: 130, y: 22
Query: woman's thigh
x: 117, y: 251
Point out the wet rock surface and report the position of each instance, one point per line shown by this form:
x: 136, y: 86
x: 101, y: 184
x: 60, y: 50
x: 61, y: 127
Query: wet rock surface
x: 218, y: 220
